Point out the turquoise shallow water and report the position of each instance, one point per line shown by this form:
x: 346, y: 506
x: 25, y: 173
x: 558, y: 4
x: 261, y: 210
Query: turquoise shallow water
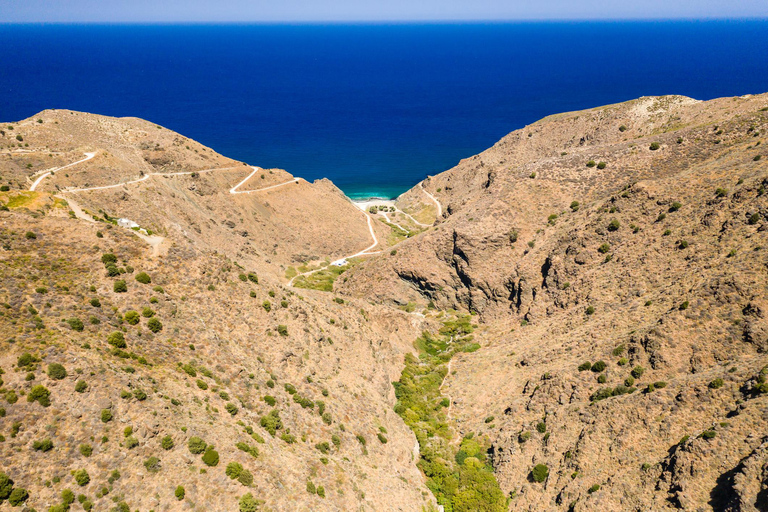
x: 375, y: 108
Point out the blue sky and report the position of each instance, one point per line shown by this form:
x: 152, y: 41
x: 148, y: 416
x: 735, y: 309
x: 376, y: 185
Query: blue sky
x: 78, y: 11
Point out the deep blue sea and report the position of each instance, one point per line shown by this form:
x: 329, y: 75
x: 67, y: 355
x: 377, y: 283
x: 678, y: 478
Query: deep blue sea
x: 375, y: 108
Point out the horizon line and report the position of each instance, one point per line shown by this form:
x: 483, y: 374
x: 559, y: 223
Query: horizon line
x: 470, y: 21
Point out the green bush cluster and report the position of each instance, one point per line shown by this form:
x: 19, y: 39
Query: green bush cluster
x: 39, y: 394
x: 56, y: 371
x: 196, y: 445
x: 152, y: 464
x: 143, y: 278
x: 539, y: 473
x: 604, y: 393
x: 117, y: 340
x: 271, y: 422
x: 458, y: 486
x: 251, y: 450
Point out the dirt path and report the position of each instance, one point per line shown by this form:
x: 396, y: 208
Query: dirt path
x: 88, y: 156
x: 156, y: 242
x: 234, y: 190
x: 343, y: 261
x: 439, y: 206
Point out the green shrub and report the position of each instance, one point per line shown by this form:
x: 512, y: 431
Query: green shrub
x: 39, y: 394
x: 618, y: 350
x: 143, y: 278
x: 147, y: 312
x: 599, y: 366
x: 675, y: 206
x: 245, y: 478
x: 117, y: 340
x: 684, y: 305
x: 248, y: 503
x: 43, y: 446
x: 179, y: 493
x: 754, y: 218
x: 167, y: 442
x: 154, y: 325
x: 17, y: 496
x: 604, y: 248
x: 56, y: 371
x: 139, y: 394
x: 132, y: 317
x: 233, y: 470
x: 75, y: 324
x: 591, y: 163
x: 590, y: 310
x: 152, y: 464
x: 282, y: 330
x: 717, y: 383
x: 253, y: 278
x: 231, y: 408
x: 202, y: 384
x: 26, y: 359
x: 270, y: 400
x: 585, y: 366
x: 311, y: 489
x: 196, y: 445
x: 86, y: 450
x: 381, y: 437
x: 81, y: 477
x: 290, y: 389
x: 654, y: 146
x: 211, y: 457
x: 267, y: 306
x: 622, y: 128
x: 721, y: 192
x: 131, y: 442
x: 601, y: 165
x: 575, y: 206
x: 67, y: 496
x: 6, y: 486
x: 637, y: 371
x: 708, y: 434
x: 539, y: 473
x: 594, y: 488
x: 95, y: 302
x: 120, y: 286
x: 614, y: 225
x: 251, y: 450
x: 541, y: 427
x: 106, y: 415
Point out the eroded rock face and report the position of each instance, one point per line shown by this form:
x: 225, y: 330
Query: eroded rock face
x: 654, y: 265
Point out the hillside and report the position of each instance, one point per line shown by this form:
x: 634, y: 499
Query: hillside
x: 574, y: 319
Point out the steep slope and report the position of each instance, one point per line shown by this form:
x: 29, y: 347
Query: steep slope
x: 181, y: 190
x: 121, y: 360
x: 647, y: 273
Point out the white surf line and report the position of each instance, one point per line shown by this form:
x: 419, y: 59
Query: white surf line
x: 234, y: 190
x: 88, y: 156
x: 439, y: 206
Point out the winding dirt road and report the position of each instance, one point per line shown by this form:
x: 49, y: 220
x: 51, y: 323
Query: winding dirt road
x: 88, y: 156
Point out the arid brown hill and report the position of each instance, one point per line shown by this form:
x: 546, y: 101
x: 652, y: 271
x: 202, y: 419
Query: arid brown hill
x: 613, y: 262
